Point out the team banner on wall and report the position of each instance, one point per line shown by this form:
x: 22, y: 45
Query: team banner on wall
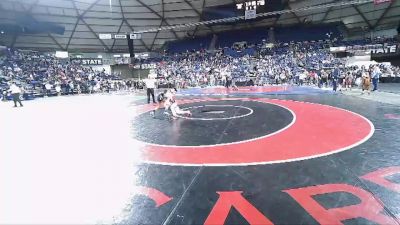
x: 88, y: 61
x: 373, y: 49
x: 145, y: 66
x: 385, y: 50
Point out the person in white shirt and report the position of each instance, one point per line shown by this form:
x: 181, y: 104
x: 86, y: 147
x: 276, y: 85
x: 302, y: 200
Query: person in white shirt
x: 15, y: 92
x: 150, y: 83
x: 71, y: 87
x: 376, y: 73
x: 58, y: 90
x: 48, y: 87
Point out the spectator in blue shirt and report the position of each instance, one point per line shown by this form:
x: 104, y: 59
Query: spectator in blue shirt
x: 376, y: 73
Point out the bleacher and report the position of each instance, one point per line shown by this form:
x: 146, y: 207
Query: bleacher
x: 189, y: 44
x: 257, y: 35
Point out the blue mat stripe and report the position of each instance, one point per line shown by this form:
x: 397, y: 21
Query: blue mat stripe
x: 291, y: 91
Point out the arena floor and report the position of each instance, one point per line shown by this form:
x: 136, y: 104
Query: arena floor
x: 271, y: 155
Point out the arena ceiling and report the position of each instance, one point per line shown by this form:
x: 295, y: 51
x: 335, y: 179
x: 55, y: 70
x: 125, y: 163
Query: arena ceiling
x: 85, y: 19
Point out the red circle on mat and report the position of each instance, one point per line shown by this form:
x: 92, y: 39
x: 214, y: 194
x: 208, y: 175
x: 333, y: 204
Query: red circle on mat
x: 319, y: 130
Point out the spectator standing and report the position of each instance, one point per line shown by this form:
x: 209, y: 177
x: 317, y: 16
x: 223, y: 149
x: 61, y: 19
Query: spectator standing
x: 15, y: 92
x: 302, y: 77
x: 324, y: 78
x: 48, y: 88
x: 366, y: 82
x: 4, y: 96
x: 335, y: 78
x: 375, y: 77
x: 58, y: 90
x: 71, y: 87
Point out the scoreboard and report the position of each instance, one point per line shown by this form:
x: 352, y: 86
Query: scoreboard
x: 239, y: 9
x: 120, y: 36
x: 250, y: 5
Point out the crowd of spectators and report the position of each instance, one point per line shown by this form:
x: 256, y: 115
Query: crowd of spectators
x: 307, y: 63
x: 44, y: 74
x: 299, y: 64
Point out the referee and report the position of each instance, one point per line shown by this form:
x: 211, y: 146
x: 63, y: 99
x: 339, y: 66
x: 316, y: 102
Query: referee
x: 15, y: 92
x: 150, y: 83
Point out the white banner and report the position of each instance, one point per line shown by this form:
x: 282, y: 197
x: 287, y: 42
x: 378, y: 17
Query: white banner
x: 136, y: 36
x: 145, y: 66
x: 87, y: 61
x: 374, y: 49
x: 120, y: 36
x: 385, y: 50
x: 250, y: 14
x: 105, y: 36
x: 338, y: 49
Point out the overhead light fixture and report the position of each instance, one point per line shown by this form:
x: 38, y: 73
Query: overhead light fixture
x: 2, y: 32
